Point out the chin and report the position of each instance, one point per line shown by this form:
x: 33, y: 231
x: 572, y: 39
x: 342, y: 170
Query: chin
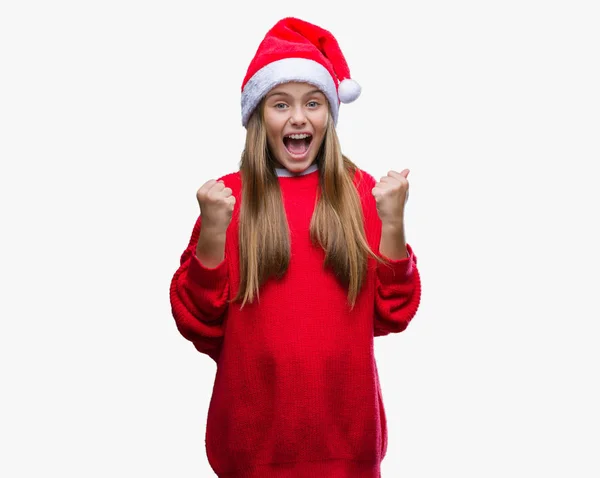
x: 298, y: 167
x: 295, y: 166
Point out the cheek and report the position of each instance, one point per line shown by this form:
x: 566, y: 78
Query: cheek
x: 272, y: 140
x: 322, y: 121
x: 273, y: 125
x: 271, y: 130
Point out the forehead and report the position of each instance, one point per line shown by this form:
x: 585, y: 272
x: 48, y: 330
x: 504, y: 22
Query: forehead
x: 295, y: 89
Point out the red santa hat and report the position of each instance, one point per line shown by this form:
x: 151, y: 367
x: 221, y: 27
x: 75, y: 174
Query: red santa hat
x: 295, y: 50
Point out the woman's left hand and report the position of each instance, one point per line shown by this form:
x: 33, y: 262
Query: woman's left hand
x: 391, y: 194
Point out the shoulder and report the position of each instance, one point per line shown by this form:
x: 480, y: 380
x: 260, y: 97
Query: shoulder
x: 364, y: 182
x: 232, y: 177
x: 232, y: 180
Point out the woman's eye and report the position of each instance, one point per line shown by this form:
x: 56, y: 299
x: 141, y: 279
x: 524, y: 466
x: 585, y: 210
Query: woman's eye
x: 280, y: 106
x: 313, y: 104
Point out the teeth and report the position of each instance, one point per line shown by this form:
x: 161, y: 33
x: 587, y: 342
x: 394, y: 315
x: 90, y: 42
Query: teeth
x: 298, y: 136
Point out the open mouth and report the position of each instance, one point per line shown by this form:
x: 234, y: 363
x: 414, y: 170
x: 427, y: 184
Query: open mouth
x: 297, y: 144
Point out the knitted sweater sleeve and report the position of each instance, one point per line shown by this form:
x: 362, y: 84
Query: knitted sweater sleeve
x: 397, y: 294
x: 198, y: 296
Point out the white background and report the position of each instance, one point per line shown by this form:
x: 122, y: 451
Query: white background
x: 113, y: 113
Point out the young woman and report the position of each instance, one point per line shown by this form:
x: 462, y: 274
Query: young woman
x: 296, y: 262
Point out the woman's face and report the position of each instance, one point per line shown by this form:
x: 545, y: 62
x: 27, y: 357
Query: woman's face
x: 295, y: 117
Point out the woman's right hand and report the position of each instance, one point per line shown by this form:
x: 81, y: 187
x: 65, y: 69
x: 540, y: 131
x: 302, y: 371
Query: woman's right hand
x: 216, y: 205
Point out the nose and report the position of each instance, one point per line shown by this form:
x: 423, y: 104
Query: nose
x: 297, y: 116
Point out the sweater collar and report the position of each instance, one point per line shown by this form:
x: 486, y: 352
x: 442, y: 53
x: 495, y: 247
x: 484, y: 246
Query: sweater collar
x: 282, y: 172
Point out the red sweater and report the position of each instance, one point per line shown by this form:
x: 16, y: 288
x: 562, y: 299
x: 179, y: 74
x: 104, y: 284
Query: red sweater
x: 296, y: 392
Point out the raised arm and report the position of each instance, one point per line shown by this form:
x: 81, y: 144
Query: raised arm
x: 199, y: 289
x: 397, y: 281
x: 198, y: 296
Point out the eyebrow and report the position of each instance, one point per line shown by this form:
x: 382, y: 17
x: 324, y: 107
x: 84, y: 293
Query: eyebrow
x: 281, y: 93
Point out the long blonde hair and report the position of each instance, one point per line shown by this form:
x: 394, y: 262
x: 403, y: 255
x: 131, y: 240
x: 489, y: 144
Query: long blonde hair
x: 336, y: 224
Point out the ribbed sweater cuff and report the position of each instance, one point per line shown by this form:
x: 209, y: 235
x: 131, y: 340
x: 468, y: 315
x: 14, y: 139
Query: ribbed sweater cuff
x: 397, y: 270
x: 210, y: 278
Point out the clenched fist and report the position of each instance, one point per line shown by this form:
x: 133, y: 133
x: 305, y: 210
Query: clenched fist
x: 391, y: 194
x: 216, y: 205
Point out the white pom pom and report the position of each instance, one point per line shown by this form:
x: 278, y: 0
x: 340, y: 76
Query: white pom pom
x: 348, y: 91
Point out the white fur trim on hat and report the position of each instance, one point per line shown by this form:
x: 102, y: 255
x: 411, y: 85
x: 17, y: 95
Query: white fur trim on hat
x: 284, y: 71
